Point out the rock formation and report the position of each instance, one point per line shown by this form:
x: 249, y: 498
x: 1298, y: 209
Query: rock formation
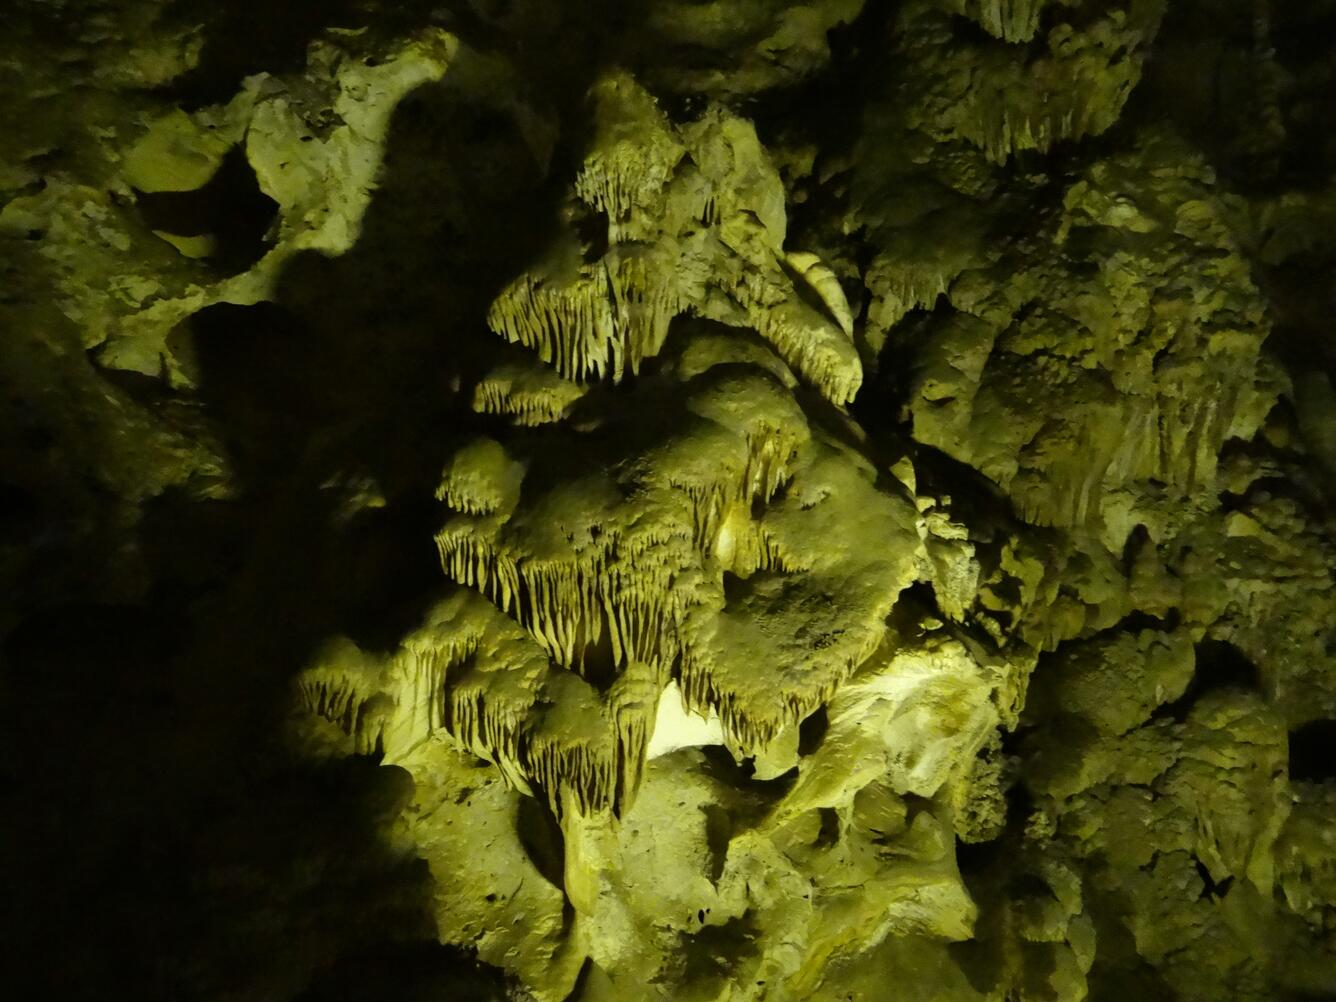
x: 691, y: 501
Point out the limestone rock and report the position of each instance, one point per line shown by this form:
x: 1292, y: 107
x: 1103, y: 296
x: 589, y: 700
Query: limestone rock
x: 692, y: 500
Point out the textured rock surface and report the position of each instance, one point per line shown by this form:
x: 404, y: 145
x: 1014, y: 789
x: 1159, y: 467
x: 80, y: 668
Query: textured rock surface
x: 673, y: 500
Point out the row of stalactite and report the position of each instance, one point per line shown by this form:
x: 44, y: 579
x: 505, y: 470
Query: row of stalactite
x: 1010, y: 20
x: 589, y: 774
x: 745, y: 726
x: 1069, y: 115
x: 825, y: 358
x: 910, y: 287
x: 427, y: 668
x: 338, y: 699
x: 617, y: 188
x: 461, y: 501
x: 602, y: 325
x: 769, y: 454
x: 360, y: 715
x: 529, y: 409
x: 625, y: 584
x: 486, y: 729
x: 429, y: 690
x: 565, y: 606
x: 1169, y: 440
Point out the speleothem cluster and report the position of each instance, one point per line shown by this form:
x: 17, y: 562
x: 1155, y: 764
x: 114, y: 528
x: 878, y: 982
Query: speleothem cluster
x: 746, y: 500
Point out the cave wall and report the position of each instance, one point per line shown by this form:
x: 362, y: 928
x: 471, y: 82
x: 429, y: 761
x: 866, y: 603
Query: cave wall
x: 669, y: 500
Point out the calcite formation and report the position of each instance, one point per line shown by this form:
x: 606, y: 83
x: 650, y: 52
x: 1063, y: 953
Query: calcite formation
x: 731, y: 501
x: 690, y: 220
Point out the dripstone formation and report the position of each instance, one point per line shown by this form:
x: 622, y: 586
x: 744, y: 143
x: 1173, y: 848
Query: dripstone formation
x: 732, y: 501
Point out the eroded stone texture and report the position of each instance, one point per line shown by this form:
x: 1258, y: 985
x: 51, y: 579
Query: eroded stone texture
x: 742, y: 500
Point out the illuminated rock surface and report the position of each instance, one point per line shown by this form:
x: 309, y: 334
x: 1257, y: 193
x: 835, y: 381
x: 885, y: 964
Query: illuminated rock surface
x: 689, y: 501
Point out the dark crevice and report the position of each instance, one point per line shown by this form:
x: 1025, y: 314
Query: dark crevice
x: 1137, y: 541
x: 1211, y: 888
x: 717, y: 950
x: 1139, y: 620
x: 737, y: 589
x: 718, y: 834
x: 1312, y: 749
x: 812, y: 730
x: 230, y: 209
x: 540, y: 835
x: 591, y: 227
x: 271, y: 38
x: 977, y: 860
x: 829, y: 832
x: 882, y: 401
x: 1220, y: 667
x: 719, y: 763
x: 598, y: 664
x: 411, y: 970
x: 20, y: 512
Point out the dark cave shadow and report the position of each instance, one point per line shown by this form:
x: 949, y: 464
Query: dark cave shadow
x: 413, y: 972
x: 174, y: 848
x: 241, y: 40
x: 230, y: 208
x: 1202, y: 77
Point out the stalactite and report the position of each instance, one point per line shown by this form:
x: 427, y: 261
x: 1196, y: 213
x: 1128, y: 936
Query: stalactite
x: 570, y: 326
x: 566, y: 604
x: 601, y: 324
x: 481, y: 478
x: 532, y: 394
x: 815, y: 347
x: 351, y: 689
x: 1009, y: 20
x: 633, y: 151
x: 902, y: 286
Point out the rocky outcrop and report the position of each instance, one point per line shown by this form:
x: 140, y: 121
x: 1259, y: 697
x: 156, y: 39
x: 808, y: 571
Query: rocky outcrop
x: 693, y: 501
